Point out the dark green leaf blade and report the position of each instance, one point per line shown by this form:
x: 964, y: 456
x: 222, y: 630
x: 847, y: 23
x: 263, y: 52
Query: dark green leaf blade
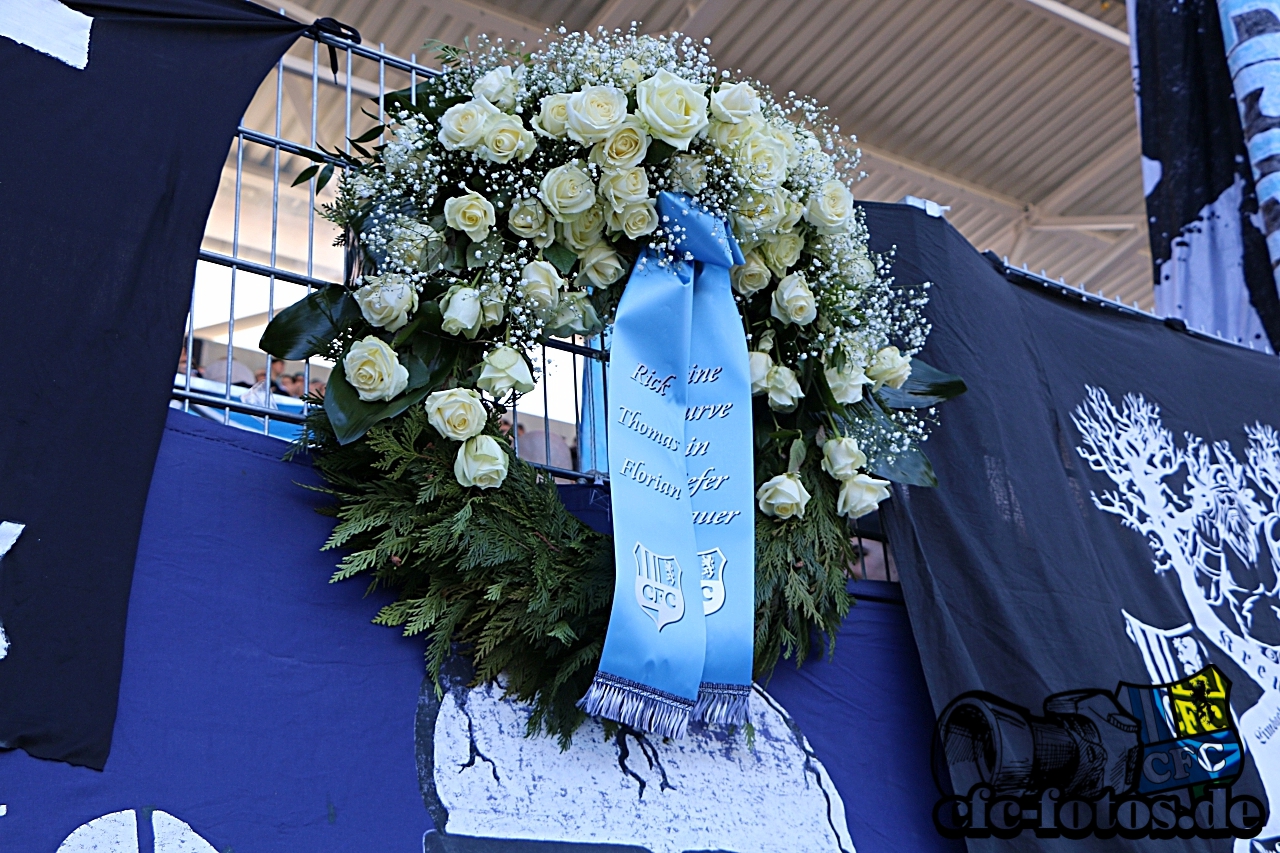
x: 352, y: 417
x: 325, y: 174
x: 306, y: 175
x: 308, y: 326
x: 927, y: 386
x: 562, y: 258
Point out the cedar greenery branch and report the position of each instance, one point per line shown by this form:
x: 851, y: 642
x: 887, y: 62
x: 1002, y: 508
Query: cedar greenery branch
x: 511, y: 199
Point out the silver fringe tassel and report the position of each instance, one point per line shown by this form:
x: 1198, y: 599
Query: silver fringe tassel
x: 722, y: 704
x: 637, y: 705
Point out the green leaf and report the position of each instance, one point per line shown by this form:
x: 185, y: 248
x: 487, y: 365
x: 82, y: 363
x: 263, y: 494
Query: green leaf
x: 927, y: 386
x: 659, y: 152
x: 911, y: 467
x: 427, y: 319
x: 797, y: 455
x: 371, y: 134
x: 562, y: 258
x: 352, y: 417
x: 479, y: 254
x: 308, y: 326
x: 306, y: 175
x: 325, y: 174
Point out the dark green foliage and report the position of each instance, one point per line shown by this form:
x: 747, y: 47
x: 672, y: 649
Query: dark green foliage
x: 506, y: 575
x: 509, y: 578
x: 801, y: 573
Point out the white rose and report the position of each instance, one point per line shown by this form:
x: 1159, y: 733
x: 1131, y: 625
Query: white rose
x: 457, y: 413
x: 735, y: 102
x: 674, y: 108
x: 462, y: 125
x: 691, y: 171
x: 600, y: 265
x: 830, y: 208
x: 373, y: 369
x: 788, y: 139
x: 505, y: 369
x: 471, y: 213
x: 635, y: 220
x: 793, y: 211
x: 793, y: 301
x: 624, y: 147
x: 386, y: 301
x: 841, y: 457
x: 783, y: 388
x: 541, y: 283
x: 758, y: 212
x: 629, y: 72
x: 761, y: 160
x: 594, y: 113
x: 529, y: 219
x: 759, y: 364
x: 462, y: 311
x: 481, y: 463
x: 550, y: 121
x: 492, y: 307
x: 781, y: 251
x: 499, y: 86
x: 860, y: 494
x: 567, y: 191
x: 783, y: 497
x: 506, y: 138
x: 575, y: 315
x: 622, y: 187
x: 889, y: 367
x: 585, y: 231
x: 727, y: 136
x: 751, y: 276
x: 846, y: 383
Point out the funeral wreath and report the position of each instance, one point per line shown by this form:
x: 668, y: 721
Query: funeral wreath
x: 508, y: 202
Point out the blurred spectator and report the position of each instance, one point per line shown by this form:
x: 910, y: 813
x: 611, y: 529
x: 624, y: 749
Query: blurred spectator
x: 182, y: 365
x: 534, y: 447
x: 240, y: 373
x: 318, y: 388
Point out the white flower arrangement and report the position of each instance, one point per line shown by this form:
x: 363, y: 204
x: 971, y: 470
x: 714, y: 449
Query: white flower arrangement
x: 516, y: 190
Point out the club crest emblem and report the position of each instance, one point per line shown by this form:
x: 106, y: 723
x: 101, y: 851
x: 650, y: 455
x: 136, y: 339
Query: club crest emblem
x: 712, y: 563
x: 658, y: 587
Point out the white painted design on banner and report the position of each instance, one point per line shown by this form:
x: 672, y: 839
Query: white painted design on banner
x: 175, y: 836
x: 1213, y: 521
x: 118, y: 833
x: 1203, y: 280
x: 658, y: 590
x: 49, y: 27
x: 112, y: 833
x: 712, y: 565
x: 708, y: 791
x: 9, y: 533
x: 1152, y: 172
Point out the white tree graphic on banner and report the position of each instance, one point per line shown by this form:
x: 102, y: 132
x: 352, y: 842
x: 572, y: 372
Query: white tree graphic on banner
x: 1215, y: 523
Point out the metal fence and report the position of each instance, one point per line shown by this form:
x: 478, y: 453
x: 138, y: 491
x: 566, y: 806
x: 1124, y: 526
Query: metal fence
x: 265, y: 247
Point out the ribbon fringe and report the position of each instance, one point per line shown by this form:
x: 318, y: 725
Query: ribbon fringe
x: 637, y: 705
x: 722, y: 704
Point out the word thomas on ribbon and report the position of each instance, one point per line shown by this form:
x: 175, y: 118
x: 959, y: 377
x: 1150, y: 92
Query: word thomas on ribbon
x: 649, y: 378
x: 630, y: 418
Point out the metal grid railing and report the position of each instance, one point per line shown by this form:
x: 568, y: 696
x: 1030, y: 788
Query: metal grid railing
x: 265, y: 247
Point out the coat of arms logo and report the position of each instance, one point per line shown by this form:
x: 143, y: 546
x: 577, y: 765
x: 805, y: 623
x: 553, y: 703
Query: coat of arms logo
x: 658, y: 587
x: 712, y: 562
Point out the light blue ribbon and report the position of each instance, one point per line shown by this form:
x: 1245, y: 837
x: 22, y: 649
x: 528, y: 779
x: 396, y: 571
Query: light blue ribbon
x: 653, y: 661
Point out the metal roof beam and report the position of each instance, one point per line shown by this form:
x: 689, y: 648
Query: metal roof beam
x: 1084, y: 23
x: 1079, y: 184
x: 875, y: 158
x: 1117, y: 222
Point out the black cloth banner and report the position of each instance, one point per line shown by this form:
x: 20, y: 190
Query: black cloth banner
x: 1209, y: 252
x: 107, y: 174
x: 1021, y: 577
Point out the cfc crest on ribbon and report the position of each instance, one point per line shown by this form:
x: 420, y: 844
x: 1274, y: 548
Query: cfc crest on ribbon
x: 658, y: 587
x: 713, y: 562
